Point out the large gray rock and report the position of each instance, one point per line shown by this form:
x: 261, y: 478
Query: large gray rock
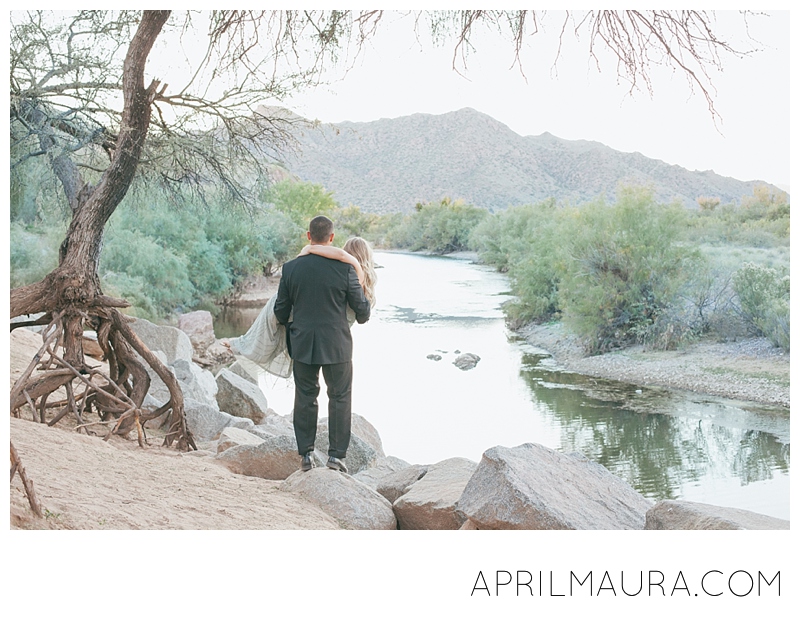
x: 199, y: 326
x: 240, y: 397
x: 352, y: 504
x: 232, y: 436
x: 360, y: 455
x: 682, y: 515
x: 170, y: 340
x: 430, y: 502
x: 276, y: 424
x: 532, y: 487
x: 382, y: 468
x: 196, y: 383
x: 245, y: 371
x: 363, y: 428
x: 205, y: 421
x: 275, y: 458
x: 396, y: 484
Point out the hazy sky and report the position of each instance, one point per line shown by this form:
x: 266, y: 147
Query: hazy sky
x: 400, y: 75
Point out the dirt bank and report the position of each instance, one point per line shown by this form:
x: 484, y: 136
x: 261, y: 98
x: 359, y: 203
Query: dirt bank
x: 750, y: 370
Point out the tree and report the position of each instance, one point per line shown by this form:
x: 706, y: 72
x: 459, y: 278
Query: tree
x: 79, y: 99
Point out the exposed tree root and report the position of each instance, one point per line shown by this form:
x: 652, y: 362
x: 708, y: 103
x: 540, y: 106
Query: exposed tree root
x: 27, y: 483
x: 115, y: 397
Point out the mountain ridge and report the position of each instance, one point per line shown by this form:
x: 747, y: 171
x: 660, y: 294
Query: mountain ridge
x: 390, y: 165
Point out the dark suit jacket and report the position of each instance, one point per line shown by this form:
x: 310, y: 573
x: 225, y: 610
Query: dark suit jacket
x: 318, y: 291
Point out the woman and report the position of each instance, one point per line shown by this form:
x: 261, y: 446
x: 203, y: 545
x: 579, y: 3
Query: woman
x: 265, y: 341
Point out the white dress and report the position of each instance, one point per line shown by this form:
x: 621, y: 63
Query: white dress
x: 264, y: 344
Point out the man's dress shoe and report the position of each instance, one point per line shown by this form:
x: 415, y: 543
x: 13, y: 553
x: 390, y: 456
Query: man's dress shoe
x: 334, y: 463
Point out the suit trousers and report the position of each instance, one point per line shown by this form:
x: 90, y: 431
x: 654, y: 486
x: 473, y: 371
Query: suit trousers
x: 339, y: 381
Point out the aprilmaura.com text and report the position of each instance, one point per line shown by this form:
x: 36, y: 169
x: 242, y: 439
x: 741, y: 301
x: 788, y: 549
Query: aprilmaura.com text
x: 656, y: 583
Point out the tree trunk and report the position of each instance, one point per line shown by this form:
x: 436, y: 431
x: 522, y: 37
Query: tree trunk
x: 72, y: 290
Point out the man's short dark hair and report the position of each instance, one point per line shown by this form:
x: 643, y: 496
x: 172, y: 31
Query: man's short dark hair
x: 320, y: 228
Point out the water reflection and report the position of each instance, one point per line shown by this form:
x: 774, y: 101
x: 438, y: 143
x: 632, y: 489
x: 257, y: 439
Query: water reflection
x: 656, y: 439
x: 667, y: 444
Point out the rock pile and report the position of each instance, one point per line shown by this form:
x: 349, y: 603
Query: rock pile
x: 526, y: 487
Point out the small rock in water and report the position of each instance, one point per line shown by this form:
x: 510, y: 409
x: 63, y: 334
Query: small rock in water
x: 467, y: 361
x: 434, y: 357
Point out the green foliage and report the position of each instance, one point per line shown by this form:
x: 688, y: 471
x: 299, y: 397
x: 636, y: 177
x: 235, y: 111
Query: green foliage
x: 33, y: 252
x: 525, y: 243
x: 439, y: 227
x: 300, y: 202
x: 761, y: 220
x: 159, y: 271
x: 625, y: 268
x: 352, y: 222
x: 763, y: 295
x: 162, y: 259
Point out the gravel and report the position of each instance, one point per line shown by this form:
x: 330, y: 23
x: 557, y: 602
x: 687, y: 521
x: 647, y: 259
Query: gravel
x: 751, y: 370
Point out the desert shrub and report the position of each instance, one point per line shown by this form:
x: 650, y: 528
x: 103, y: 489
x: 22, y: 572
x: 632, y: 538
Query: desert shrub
x: 760, y: 220
x: 439, y: 227
x: 763, y: 295
x: 625, y: 266
x: 525, y: 242
x: 164, y: 275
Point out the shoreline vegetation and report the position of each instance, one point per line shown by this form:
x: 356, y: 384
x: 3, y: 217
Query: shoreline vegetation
x: 751, y: 370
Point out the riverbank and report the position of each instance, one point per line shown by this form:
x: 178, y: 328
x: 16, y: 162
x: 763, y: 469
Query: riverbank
x: 751, y: 370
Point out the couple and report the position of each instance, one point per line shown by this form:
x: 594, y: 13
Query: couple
x: 305, y: 328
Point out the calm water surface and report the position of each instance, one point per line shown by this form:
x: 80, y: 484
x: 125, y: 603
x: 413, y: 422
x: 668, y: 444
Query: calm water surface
x: 667, y: 444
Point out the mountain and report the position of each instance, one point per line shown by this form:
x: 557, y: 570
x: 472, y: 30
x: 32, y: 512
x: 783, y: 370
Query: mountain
x: 389, y: 165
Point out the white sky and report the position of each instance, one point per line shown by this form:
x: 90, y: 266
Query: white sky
x: 399, y: 75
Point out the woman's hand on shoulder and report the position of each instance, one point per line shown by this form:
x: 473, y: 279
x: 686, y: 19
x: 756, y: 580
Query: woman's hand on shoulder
x: 306, y: 250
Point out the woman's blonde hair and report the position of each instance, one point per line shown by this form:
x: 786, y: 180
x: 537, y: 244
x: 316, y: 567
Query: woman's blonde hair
x: 359, y: 248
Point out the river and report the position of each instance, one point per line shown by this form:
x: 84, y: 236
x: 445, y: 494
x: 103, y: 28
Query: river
x: 668, y: 445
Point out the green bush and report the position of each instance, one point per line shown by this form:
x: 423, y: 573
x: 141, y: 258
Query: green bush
x: 763, y: 295
x: 439, y: 227
x: 164, y: 275
x: 525, y: 242
x: 625, y: 267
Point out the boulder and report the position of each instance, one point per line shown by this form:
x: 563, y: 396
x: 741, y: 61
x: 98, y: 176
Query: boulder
x: 466, y: 361
x: 274, y: 458
x: 534, y: 487
x: 360, y: 455
x: 363, y: 428
x: 245, y: 371
x: 170, y: 340
x: 205, y: 421
x: 398, y: 483
x: 431, y: 501
x: 240, y: 397
x: 196, y: 383
x: 352, y: 504
x: 365, y: 447
x: 199, y: 326
x: 683, y: 515
x: 276, y: 424
x: 232, y: 436
x: 382, y: 468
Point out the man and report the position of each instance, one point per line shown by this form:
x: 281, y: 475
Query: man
x: 314, y: 293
